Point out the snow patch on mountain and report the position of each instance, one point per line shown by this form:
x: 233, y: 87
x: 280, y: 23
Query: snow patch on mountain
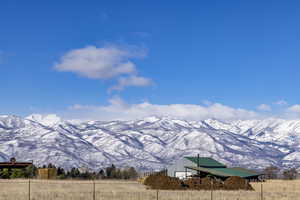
x: 46, y: 120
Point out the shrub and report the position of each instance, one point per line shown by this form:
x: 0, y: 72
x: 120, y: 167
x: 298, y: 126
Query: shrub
x: 17, y: 173
x: 4, y: 173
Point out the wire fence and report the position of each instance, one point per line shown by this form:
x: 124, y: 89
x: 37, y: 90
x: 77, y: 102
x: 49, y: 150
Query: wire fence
x: 129, y: 190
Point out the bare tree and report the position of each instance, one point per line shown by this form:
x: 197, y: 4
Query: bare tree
x: 290, y: 174
x: 271, y: 172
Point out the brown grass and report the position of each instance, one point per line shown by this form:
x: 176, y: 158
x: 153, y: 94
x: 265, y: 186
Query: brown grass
x: 131, y: 190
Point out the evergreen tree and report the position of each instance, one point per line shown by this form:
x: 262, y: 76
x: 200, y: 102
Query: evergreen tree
x: 132, y: 173
x: 101, y: 174
x: 75, y: 173
x: 30, y: 171
x: 61, y: 173
x: 111, y: 171
x: 50, y: 165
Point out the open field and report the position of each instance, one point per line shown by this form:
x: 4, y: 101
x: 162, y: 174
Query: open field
x: 131, y: 190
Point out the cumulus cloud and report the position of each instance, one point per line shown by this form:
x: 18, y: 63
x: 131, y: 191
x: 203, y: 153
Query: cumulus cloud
x: 104, y: 63
x: 264, y: 107
x: 294, y: 108
x: 118, y: 109
x: 292, y: 112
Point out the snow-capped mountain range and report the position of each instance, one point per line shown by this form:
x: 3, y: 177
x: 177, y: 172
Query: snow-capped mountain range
x: 149, y: 143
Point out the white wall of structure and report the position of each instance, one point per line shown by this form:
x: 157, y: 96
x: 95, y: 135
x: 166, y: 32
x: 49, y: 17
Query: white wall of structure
x: 178, y: 168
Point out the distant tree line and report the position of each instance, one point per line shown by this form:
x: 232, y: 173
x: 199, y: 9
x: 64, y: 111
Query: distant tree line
x: 273, y: 172
x: 111, y: 172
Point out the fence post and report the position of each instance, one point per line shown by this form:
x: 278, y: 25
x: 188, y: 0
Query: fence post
x: 156, y: 194
x: 29, y: 189
x: 94, y: 190
x: 261, y: 191
x: 211, y: 189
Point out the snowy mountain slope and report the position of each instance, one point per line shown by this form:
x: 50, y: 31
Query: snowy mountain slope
x: 150, y: 143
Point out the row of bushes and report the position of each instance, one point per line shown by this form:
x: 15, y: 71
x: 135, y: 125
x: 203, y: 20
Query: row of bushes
x: 28, y: 172
x: 111, y: 172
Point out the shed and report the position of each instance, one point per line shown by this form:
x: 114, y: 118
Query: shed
x: 178, y: 169
x: 204, y: 166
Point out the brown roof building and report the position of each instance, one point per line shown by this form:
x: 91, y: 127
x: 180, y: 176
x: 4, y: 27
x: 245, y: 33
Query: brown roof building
x: 13, y: 164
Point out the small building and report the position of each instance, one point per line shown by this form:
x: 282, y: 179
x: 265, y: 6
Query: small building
x: 13, y: 164
x: 204, y: 166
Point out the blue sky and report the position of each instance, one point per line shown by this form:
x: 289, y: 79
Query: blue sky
x: 84, y: 58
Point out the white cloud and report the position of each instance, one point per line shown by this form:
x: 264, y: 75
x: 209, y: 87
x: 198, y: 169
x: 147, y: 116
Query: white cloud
x: 118, y: 109
x: 97, y: 63
x: 294, y: 108
x: 292, y: 112
x: 281, y: 102
x: 131, y: 81
x: 264, y: 107
x: 110, y: 62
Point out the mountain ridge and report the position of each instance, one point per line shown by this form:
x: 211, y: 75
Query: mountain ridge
x: 150, y: 143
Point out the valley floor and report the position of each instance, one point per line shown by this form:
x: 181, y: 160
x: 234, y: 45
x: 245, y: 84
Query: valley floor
x: 131, y: 190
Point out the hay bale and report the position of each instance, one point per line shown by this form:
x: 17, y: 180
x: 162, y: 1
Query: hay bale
x: 142, y: 179
x: 237, y: 183
x: 47, y: 173
x: 52, y: 173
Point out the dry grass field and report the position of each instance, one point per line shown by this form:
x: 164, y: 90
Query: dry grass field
x: 130, y: 190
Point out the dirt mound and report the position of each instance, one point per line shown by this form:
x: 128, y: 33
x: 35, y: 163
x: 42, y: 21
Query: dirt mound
x: 193, y: 183
x: 206, y: 183
x: 237, y: 183
x: 163, y: 182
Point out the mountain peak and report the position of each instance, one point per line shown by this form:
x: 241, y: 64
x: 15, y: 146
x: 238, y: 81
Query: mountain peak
x: 46, y: 120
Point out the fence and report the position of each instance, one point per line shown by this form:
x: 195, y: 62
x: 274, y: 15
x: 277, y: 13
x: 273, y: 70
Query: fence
x: 128, y: 190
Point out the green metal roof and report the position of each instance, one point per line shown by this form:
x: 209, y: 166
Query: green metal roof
x: 246, y: 170
x: 205, y: 162
x: 225, y: 172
